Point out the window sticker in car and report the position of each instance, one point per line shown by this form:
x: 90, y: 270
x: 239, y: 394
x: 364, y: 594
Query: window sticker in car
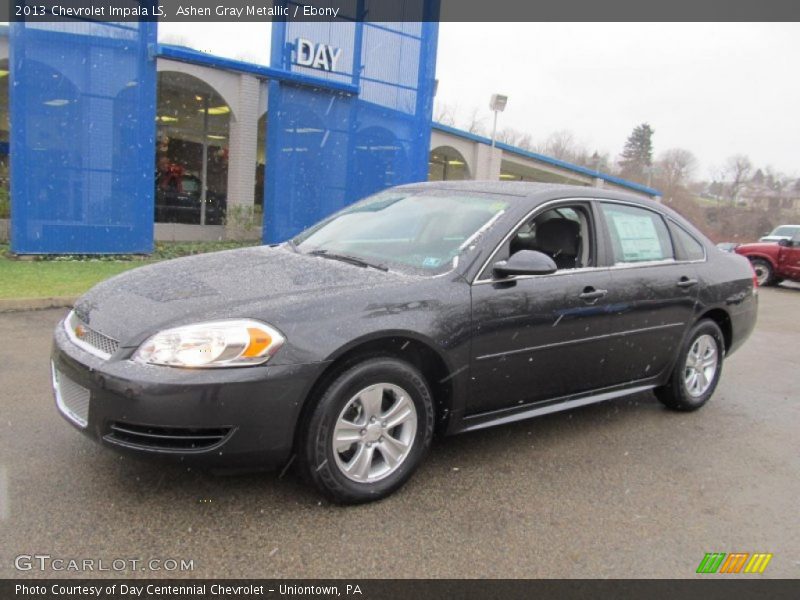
x: 637, y: 236
x: 431, y: 262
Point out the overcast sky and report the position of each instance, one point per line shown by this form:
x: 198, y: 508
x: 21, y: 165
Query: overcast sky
x: 716, y: 89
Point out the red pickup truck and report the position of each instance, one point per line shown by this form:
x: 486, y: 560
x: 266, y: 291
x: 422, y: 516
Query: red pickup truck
x: 774, y: 261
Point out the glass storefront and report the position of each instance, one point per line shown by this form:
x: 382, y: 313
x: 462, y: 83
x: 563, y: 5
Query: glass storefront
x: 261, y: 161
x: 447, y: 164
x: 192, y: 134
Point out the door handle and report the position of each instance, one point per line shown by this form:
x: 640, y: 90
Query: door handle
x: 589, y: 293
x: 685, y: 282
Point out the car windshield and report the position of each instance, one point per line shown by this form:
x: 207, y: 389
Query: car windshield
x: 786, y: 230
x: 423, y: 231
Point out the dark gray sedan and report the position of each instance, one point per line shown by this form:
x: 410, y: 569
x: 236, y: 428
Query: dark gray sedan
x: 440, y: 307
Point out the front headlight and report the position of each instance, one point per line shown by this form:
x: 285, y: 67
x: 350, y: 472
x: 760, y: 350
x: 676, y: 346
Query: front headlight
x: 229, y: 343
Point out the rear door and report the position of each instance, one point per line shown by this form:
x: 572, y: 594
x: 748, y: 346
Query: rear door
x: 652, y: 295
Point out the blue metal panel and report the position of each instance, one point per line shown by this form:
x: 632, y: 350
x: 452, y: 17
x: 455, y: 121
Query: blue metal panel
x: 82, y: 102
x: 327, y: 149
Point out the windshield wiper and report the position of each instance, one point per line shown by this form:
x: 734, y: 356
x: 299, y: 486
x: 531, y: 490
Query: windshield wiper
x: 353, y: 260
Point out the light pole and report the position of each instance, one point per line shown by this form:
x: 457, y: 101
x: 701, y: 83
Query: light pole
x: 498, y: 105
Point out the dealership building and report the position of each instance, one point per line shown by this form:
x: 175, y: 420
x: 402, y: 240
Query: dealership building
x: 117, y: 141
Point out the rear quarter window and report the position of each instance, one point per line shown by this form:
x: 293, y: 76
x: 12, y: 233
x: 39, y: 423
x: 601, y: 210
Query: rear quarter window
x: 687, y: 244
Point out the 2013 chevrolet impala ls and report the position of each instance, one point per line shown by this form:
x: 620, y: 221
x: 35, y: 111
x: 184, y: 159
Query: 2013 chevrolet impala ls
x: 442, y: 307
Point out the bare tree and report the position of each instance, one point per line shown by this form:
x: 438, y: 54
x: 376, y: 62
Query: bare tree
x: 561, y: 145
x: 737, y: 173
x: 513, y: 137
x: 675, y: 168
x: 475, y: 122
x: 444, y: 113
x: 775, y: 180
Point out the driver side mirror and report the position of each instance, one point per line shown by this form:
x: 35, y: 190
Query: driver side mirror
x: 784, y: 242
x: 525, y: 262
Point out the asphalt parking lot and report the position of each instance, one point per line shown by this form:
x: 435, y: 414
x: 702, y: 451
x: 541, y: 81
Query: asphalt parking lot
x: 622, y: 489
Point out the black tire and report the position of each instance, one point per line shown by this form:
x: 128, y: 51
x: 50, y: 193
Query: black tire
x: 676, y: 394
x: 765, y: 274
x: 317, y: 454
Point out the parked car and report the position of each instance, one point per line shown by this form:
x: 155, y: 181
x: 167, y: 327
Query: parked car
x: 774, y: 262
x: 781, y: 232
x: 180, y: 202
x: 445, y: 307
x: 727, y: 246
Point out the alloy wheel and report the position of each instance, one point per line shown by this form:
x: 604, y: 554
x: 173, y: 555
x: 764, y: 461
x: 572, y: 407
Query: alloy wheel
x: 702, y: 362
x: 374, y: 432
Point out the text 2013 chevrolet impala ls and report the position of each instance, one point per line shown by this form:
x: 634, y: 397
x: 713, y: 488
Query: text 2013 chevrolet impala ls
x: 430, y: 307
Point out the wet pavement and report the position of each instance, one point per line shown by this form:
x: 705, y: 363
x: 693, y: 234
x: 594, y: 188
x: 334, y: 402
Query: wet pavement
x: 621, y: 489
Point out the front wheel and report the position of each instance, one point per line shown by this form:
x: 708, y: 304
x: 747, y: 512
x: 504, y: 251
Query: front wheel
x: 369, y: 432
x: 697, y: 370
x: 764, y: 273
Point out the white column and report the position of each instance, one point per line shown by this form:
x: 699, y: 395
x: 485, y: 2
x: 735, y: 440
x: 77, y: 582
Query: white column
x: 487, y: 162
x: 242, y: 157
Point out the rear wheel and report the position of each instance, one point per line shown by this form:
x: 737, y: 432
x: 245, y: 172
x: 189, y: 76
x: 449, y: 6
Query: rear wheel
x: 369, y: 432
x: 764, y: 272
x: 697, y: 370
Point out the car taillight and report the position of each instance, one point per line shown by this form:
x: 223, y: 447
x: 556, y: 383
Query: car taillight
x: 755, y: 279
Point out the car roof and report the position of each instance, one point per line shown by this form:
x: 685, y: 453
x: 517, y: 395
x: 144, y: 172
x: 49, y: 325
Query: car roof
x: 532, y: 190
x: 532, y: 193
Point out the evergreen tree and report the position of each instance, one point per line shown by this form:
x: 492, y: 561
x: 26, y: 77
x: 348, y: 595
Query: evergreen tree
x: 637, y: 156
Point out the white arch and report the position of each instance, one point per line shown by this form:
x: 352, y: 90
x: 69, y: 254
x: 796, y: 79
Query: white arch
x: 225, y: 83
x: 448, y: 148
x: 466, y: 148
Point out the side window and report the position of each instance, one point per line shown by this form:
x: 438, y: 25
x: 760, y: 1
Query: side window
x: 563, y: 233
x: 692, y: 249
x: 637, y: 234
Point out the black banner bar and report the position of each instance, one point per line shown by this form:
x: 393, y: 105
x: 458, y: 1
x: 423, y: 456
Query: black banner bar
x: 712, y: 588
x: 394, y: 11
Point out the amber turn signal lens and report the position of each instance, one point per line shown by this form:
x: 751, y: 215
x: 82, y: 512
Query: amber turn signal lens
x: 259, y: 341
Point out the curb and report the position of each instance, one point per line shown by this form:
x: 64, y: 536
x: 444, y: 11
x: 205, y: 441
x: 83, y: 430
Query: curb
x: 23, y: 304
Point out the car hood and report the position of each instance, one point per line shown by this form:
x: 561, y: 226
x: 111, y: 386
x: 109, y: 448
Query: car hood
x: 762, y: 247
x: 240, y: 283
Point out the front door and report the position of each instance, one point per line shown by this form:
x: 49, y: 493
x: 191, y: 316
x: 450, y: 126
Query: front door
x: 537, y: 338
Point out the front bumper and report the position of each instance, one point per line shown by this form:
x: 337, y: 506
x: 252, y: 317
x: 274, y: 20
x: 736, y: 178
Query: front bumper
x: 215, y: 418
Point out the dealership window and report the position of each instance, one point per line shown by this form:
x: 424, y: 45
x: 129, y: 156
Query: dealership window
x: 637, y: 234
x: 447, y: 164
x: 192, y: 131
x: 261, y: 162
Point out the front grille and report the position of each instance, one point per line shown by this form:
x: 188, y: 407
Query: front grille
x: 167, y: 438
x: 89, y: 339
x: 72, y: 399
